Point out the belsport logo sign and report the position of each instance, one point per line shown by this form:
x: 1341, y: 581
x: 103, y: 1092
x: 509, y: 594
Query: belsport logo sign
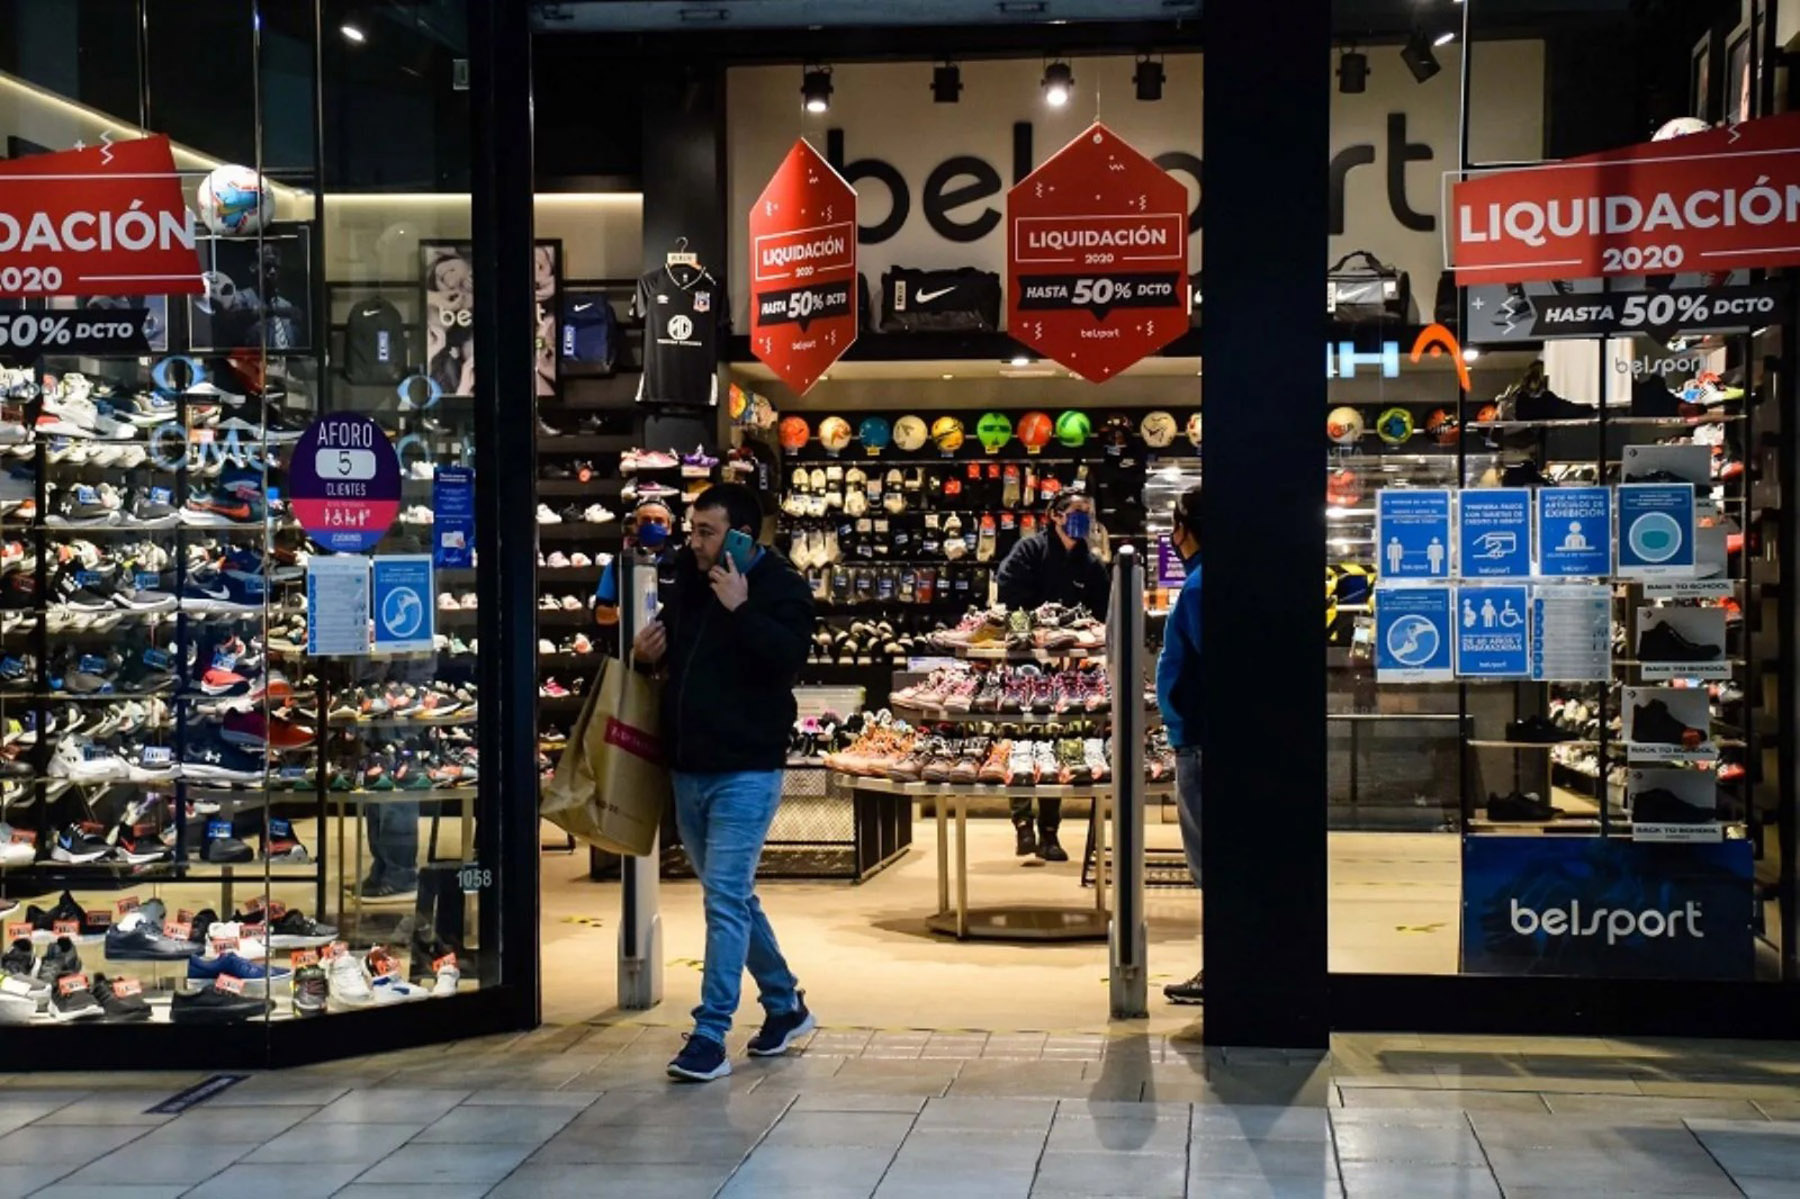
x: 1614, y: 924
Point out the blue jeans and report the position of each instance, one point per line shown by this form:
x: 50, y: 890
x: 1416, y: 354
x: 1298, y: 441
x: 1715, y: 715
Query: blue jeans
x: 1187, y: 805
x: 724, y: 819
x: 393, y: 844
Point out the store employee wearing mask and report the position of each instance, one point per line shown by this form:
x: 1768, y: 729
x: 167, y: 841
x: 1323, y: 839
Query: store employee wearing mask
x: 1056, y: 566
x: 649, y: 528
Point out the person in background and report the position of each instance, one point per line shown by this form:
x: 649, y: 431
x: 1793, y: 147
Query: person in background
x: 1056, y: 566
x: 730, y: 641
x: 1179, y: 696
x: 649, y: 527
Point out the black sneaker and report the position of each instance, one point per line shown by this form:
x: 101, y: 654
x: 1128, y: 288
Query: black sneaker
x: 1664, y: 643
x: 224, y: 849
x: 1520, y: 806
x: 83, y: 588
x: 20, y: 960
x: 1027, y: 840
x: 59, y: 959
x: 140, y: 941
x: 702, y: 1059
x: 779, y: 1032
x: 70, y: 999
x: 82, y: 507
x: 1536, y: 730
x: 154, y: 508
x: 310, y: 991
x: 1659, y: 806
x: 1653, y: 723
x: 1049, y: 849
x: 294, y: 931
x: 77, y: 845
x: 210, y: 1005
x: 121, y: 999
x: 1192, y: 990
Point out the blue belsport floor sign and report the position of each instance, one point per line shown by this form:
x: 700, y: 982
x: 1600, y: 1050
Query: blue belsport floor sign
x: 1493, y: 632
x: 1656, y: 530
x: 402, y: 604
x: 1412, y: 634
x: 1494, y: 532
x: 1412, y: 529
x: 1574, y: 532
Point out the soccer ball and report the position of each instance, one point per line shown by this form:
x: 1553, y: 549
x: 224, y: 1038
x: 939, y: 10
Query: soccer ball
x: 909, y: 433
x: 1194, y: 430
x: 1034, y: 431
x: 793, y: 432
x: 235, y: 201
x: 994, y: 431
x: 221, y: 292
x: 947, y: 432
x: 1073, y: 428
x: 1157, y: 429
x: 834, y: 433
x: 1395, y: 426
x: 1344, y: 426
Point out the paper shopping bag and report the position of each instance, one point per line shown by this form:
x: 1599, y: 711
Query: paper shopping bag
x: 611, y: 787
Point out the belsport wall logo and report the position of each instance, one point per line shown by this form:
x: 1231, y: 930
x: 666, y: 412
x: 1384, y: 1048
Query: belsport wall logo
x: 1615, y: 924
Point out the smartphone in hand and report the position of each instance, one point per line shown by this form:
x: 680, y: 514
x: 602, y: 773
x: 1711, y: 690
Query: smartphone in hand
x: 740, y: 549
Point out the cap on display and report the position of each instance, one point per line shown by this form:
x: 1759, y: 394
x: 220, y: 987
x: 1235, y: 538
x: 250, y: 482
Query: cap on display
x: 1158, y: 429
x: 1073, y: 427
x: 993, y: 430
x: 875, y: 433
x: 1344, y: 425
x: 947, y: 433
x: 793, y: 432
x: 834, y: 433
x: 1034, y: 431
x: 1394, y: 426
x: 1193, y: 430
x: 910, y: 433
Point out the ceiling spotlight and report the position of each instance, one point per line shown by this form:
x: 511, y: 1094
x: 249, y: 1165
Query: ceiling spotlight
x: 815, y: 89
x: 352, y: 33
x: 1059, y: 84
x: 1149, y: 78
x: 1419, y: 59
x: 1444, y: 38
x: 1471, y: 353
x: 946, y: 83
x: 1353, y: 72
x: 1021, y: 360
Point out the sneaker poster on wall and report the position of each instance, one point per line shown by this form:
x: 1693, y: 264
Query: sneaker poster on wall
x: 258, y: 293
x: 546, y: 283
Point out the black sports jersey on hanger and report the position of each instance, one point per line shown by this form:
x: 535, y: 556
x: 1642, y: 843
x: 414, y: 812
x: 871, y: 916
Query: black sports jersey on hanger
x: 684, y: 313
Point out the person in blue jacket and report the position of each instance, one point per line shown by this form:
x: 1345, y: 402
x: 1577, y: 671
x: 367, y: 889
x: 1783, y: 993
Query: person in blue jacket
x: 649, y: 527
x: 1179, y: 696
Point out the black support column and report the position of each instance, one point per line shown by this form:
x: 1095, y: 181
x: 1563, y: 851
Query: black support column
x: 505, y: 494
x: 1267, y: 127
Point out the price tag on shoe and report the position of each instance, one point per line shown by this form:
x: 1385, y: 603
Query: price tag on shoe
x: 333, y: 951
x: 98, y: 919
x: 66, y: 928
x: 24, y: 836
x: 126, y: 988
x: 68, y: 984
x: 277, y: 909
x: 219, y: 946
x: 129, y: 904
x: 448, y: 961
x: 304, y: 957
x: 185, y: 915
x: 19, y: 930
x: 178, y: 930
x: 229, y: 984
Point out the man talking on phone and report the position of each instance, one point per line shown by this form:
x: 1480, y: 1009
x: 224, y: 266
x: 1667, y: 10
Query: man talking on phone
x: 730, y: 639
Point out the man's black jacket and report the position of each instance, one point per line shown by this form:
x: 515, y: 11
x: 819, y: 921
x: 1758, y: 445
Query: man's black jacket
x: 1040, y: 571
x: 728, y: 700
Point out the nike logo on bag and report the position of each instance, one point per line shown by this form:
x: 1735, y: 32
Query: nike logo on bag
x: 926, y: 297
x: 582, y: 307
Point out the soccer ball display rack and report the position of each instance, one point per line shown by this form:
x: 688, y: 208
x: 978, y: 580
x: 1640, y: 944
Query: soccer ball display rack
x: 1587, y: 757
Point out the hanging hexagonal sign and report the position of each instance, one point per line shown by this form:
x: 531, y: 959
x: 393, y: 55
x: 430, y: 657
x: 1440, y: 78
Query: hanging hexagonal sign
x: 803, y: 268
x: 1097, y: 256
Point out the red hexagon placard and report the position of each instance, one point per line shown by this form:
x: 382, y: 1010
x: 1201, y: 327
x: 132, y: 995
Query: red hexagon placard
x: 1097, y: 256
x: 803, y: 268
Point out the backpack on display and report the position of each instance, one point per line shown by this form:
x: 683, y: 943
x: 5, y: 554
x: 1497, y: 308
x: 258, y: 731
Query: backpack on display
x: 374, y: 343
x: 961, y: 300
x: 589, y: 330
x: 1360, y: 287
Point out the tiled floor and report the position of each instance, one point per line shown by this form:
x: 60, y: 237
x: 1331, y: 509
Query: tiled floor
x: 585, y: 1110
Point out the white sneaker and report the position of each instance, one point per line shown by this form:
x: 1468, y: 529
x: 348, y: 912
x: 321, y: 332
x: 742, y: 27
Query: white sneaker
x: 390, y: 991
x: 17, y: 1002
x: 546, y: 517
x: 15, y: 853
x: 350, y: 989
x: 448, y: 976
x: 81, y: 760
x: 228, y: 937
x: 1094, y: 751
x: 598, y: 514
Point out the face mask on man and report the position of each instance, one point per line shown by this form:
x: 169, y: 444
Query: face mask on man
x: 1077, y: 524
x: 652, y: 535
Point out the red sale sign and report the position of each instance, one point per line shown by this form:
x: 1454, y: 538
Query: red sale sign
x: 106, y: 220
x: 803, y: 269
x: 1097, y: 256
x: 1715, y: 201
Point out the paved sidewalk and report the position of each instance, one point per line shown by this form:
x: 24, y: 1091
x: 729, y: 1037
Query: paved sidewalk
x: 586, y: 1111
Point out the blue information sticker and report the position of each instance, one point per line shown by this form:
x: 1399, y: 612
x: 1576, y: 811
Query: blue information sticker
x: 402, y: 603
x: 1494, y: 531
x: 1493, y: 632
x: 1412, y: 533
x: 1574, y: 532
x: 453, y: 522
x: 1412, y: 634
x: 1656, y: 530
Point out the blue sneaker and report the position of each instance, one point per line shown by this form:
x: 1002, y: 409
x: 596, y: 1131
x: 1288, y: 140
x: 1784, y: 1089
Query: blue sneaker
x: 780, y: 1032
x: 702, y: 1059
x: 255, y: 976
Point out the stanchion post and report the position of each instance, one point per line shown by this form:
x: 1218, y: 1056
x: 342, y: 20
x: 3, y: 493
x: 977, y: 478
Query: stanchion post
x: 640, y: 877
x: 1128, y: 935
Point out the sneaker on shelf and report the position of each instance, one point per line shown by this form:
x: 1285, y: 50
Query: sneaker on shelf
x: 598, y: 514
x: 1021, y: 765
x: 137, y: 938
x: 221, y: 508
x: 82, y: 506
x: 311, y: 991
x: 257, y: 977
x: 1099, y: 769
x: 447, y: 975
x: 71, y: 999
x: 282, y: 848
x: 547, y: 516
x: 699, y: 464
x: 208, y: 757
x: 83, y: 760
x: 217, y: 1003
x: 995, y: 768
x: 222, y: 848
x: 79, y: 844
x: 292, y: 930
x: 1521, y: 807
x: 18, y: 1001
x: 349, y: 987
x: 1072, y: 763
x: 121, y: 999
x: 632, y: 461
